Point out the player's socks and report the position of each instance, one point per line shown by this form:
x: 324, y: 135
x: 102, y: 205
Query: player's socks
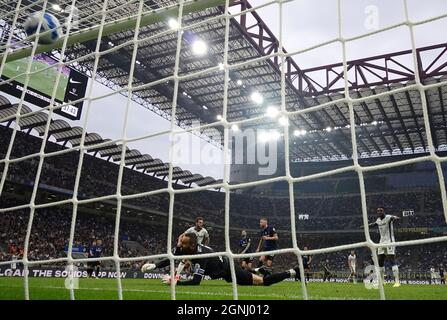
x: 396, y: 274
x: 278, y: 277
x: 295, y: 272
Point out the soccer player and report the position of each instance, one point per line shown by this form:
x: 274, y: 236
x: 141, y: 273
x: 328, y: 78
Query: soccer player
x: 245, y: 245
x: 268, y: 242
x: 202, y: 238
x: 219, y: 267
x: 13, y: 262
x: 385, y: 224
x: 307, y: 259
x: 441, y: 274
x: 94, y: 252
x: 326, y: 270
x: 352, y: 264
x: 433, y: 275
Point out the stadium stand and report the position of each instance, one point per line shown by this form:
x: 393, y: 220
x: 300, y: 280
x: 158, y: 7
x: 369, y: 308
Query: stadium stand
x: 336, y: 215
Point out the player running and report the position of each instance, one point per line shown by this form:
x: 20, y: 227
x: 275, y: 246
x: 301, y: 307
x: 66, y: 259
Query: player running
x: 219, y: 267
x: 352, y: 264
x: 245, y: 245
x: 385, y: 224
x: 268, y: 242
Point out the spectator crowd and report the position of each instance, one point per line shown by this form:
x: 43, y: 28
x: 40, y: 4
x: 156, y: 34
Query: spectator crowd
x: 139, y: 235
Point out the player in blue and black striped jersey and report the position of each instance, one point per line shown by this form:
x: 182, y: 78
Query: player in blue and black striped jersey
x: 307, y: 260
x: 268, y: 242
x: 94, y: 251
x: 246, y: 247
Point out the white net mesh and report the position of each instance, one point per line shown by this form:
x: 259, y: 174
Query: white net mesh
x: 94, y: 24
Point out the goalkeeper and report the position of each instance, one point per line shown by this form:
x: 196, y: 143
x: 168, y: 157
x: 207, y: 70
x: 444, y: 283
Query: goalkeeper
x: 219, y: 267
x: 202, y: 237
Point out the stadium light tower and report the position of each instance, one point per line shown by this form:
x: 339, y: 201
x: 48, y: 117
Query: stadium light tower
x: 284, y: 121
x: 173, y: 24
x: 199, y: 47
x: 272, y: 111
x: 299, y: 133
x: 257, y: 97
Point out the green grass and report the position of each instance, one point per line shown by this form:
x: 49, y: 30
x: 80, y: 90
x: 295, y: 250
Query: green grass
x: 42, y: 81
x: 142, y: 289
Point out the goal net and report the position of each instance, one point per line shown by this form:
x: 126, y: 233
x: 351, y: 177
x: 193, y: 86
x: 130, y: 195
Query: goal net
x: 217, y: 73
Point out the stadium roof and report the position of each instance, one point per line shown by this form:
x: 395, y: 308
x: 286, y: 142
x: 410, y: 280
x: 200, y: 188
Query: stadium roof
x: 391, y: 124
x: 64, y: 133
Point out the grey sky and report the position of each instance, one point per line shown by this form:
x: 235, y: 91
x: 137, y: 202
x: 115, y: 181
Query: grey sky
x: 305, y: 23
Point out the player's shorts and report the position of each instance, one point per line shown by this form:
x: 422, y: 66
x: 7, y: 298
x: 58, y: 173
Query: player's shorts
x: 352, y: 268
x: 92, y: 264
x: 243, y: 277
x: 391, y: 250
x: 271, y: 256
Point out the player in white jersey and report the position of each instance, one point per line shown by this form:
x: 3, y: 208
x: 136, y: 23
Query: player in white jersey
x: 352, y: 263
x: 202, y: 234
x: 14, y: 262
x: 385, y: 224
x: 433, y: 275
x: 202, y: 238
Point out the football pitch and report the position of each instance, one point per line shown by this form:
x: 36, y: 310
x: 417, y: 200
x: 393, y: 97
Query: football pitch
x: 42, y: 81
x: 153, y: 289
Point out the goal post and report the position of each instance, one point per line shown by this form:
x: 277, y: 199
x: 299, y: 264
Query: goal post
x: 125, y: 24
x: 168, y: 77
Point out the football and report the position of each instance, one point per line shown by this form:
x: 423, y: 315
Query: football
x: 49, y: 30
